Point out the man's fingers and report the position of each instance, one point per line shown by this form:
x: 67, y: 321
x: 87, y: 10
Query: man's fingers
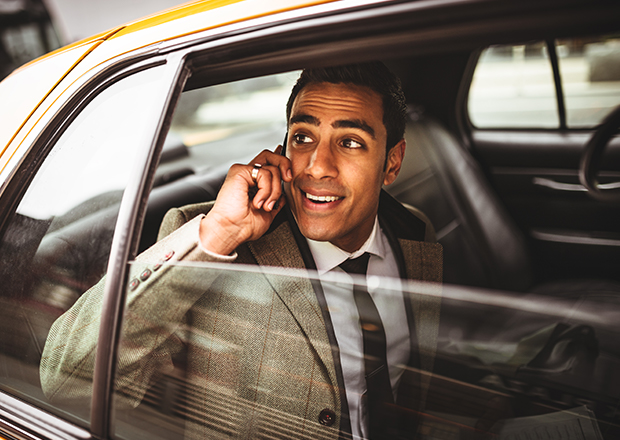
x: 274, y: 158
x: 266, y: 171
x: 276, y: 189
x: 269, y: 188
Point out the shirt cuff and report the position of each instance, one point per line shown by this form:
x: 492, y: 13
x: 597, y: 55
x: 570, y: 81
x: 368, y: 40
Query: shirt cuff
x: 218, y: 257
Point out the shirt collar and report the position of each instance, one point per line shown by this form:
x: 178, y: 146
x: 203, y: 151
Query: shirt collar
x: 328, y: 256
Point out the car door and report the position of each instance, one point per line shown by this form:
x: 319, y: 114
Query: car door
x: 531, y: 109
x: 68, y: 200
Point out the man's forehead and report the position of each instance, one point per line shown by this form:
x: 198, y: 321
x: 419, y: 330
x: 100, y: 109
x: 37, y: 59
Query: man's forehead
x: 344, y: 102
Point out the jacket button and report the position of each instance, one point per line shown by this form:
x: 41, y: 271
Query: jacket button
x: 168, y: 256
x: 327, y: 417
x: 145, y: 275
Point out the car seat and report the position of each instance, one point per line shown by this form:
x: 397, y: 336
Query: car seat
x: 482, y: 245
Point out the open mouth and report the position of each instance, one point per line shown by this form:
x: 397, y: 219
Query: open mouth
x: 322, y: 199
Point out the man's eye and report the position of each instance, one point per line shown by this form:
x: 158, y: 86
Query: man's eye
x: 350, y: 143
x: 302, y: 138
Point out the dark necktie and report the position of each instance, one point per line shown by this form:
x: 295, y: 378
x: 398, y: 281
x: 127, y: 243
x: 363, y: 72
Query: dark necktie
x: 379, y: 390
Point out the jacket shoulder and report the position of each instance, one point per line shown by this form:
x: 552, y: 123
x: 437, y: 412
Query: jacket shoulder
x: 177, y: 217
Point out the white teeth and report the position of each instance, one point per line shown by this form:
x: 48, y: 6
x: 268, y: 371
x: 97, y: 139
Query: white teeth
x: 322, y: 198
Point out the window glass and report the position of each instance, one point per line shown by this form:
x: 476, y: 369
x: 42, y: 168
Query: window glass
x: 213, y: 128
x: 57, y: 243
x: 238, y: 114
x: 212, y: 351
x: 513, y: 87
x: 590, y: 71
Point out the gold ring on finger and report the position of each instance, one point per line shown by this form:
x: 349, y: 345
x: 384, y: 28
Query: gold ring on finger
x: 257, y: 167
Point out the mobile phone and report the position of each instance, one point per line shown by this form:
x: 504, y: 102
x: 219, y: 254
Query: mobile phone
x: 283, y: 151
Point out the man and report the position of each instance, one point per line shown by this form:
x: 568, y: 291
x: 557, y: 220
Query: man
x: 271, y: 343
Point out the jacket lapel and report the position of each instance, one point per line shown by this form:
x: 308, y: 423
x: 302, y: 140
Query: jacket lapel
x: 424, y: 262
x: 279, y: 249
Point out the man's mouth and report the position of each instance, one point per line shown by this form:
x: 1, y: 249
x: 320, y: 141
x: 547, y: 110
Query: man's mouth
x: 322, y: 199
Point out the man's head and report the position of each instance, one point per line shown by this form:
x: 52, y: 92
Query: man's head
x: 345, y: 141
x: 373, y: 75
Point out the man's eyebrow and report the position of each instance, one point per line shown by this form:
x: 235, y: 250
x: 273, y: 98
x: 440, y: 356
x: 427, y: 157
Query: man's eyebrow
x: 304, y: 119
x: 343, y: 123
x: 355, y: 123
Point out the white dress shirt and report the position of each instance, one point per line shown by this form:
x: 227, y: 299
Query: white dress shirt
x: 388, y: 297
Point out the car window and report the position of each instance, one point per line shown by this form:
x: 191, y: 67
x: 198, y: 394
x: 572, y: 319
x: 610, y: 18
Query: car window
x: 513, y: 85
x: 198, y: 360
x: 56, y: 244
x: 590, y: 71
x: 241, y: 112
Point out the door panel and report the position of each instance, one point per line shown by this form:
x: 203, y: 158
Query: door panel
x: 536, y: 176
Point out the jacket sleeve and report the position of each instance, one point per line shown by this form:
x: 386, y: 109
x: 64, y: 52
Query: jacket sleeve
x: 160, y: 292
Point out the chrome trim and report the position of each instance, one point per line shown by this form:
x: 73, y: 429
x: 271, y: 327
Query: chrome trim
x: 573, y: 238
x: 114, y: 294
x: 28, y: 422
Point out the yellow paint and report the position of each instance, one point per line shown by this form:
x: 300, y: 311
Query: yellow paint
x: 192, y: 8
x: 177, y: 12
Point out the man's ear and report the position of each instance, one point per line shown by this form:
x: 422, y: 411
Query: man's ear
x: 394, y: 162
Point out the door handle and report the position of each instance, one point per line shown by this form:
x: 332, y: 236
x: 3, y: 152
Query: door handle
x: 570, y: 187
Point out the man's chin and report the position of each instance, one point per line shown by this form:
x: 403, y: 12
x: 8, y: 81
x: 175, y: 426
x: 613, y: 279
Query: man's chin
x: 315, y: 233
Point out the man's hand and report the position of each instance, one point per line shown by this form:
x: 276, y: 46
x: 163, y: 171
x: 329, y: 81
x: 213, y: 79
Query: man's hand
x: 237, y: 216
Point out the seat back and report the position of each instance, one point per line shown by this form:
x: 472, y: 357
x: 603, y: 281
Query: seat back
x: 482, y: 245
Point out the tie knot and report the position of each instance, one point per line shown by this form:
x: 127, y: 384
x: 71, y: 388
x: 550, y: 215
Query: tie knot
x: 357, y: 265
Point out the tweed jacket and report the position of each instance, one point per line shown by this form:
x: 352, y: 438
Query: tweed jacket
x: 257, y: 354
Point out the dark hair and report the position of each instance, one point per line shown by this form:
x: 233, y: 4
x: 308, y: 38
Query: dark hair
x: 377, y: 77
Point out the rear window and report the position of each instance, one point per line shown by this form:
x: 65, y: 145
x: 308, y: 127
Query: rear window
x: 514, y: 87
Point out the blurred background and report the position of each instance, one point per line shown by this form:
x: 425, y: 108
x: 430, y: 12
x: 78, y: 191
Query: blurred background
x: 30, y: 28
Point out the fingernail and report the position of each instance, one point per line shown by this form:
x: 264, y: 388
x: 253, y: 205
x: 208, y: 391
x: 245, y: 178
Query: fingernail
x: 270, y: 205
x: 289, y: 174
x: 259, y: 204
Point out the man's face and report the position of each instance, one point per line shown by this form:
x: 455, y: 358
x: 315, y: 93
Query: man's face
x: 336, y: 144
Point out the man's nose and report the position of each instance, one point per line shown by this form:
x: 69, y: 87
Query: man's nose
x: 322, y: 161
